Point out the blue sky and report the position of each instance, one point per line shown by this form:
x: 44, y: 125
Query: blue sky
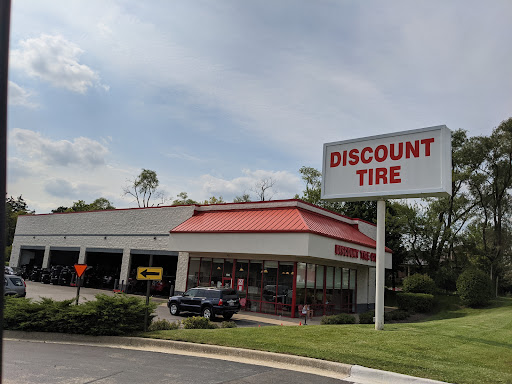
x: 217, y: 95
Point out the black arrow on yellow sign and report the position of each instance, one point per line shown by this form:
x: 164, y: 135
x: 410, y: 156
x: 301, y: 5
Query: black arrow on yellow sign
x: 147, y: 273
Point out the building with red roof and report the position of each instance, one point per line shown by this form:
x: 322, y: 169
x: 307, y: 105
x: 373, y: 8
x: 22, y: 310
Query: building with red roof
x: 279, y: 255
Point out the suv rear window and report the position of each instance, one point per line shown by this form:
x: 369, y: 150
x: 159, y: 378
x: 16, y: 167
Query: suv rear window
x: 16, y: 281
x: 229, y: 292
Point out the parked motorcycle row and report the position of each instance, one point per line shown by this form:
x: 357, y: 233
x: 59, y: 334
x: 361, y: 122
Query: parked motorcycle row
x: 66, y: 276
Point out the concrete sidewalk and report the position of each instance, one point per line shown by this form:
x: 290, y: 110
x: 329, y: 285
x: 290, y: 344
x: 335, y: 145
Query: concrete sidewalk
x: 354, y: 373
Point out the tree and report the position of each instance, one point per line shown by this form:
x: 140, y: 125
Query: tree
x: 490, y: 184
x: 99, y: 204
x: 214, y: 200
x: 183, y: 199
x: 14, y: 207
x: 242, y: 199
x: 262, y: 188
x: 143, y: 188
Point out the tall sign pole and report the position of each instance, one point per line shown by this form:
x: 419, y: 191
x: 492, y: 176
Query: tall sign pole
x: 379, y: 278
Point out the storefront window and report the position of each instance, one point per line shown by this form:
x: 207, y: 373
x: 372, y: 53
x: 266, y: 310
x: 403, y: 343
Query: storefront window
x: 353, y: 276
x: 217, y: 268
x: 254, y: 286
x: 193, y: 272
x: 205, y: 272
x: 310, y: 283
x: 241, y: 273
x: 346, y: 278
x: 269, y: 286
x: 329, y: 290
x: 285, y: 290
x: 227, y: 280
x: 337, y: 291
x: 300, y: 297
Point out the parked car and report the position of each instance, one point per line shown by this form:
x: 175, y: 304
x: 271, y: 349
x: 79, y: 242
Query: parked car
x: 15, y: 286
x: 9, y: 271
x: 209, y: 302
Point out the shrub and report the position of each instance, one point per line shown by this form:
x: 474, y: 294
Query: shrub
x: 415, y: 302
x: 367, y: 317
x: 107, y: 315
x: 474, y: 288
x: 163, y: 325
x: 198, y: 322
x: 396, y: 315
x: 418, y: 283
x: 342, y: 318
x: 228, y: 324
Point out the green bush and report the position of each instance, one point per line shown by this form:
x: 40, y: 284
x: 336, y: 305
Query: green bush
x: 228, y: 324
x: 474, y: 288
x: 198, y: 322
x: 418, y: 283
x: 415, y: 302
x: 163, y: 325
x: 396, y: 315
x: 367, y: 317
x: 107, y: 315
x: 342, y: 318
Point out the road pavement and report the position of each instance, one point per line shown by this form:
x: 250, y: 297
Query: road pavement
x: 28, y: 362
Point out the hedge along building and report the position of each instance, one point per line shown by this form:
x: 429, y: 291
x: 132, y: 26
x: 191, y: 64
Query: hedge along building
x: 279, y: 255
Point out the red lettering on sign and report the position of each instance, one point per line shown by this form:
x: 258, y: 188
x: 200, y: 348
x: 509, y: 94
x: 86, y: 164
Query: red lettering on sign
x: 427, y: 143
x: 394, y: 173
x: 381, y: 149
x: 335, y: 159
x: 354, y: 158
x: 392, y: 151
x: 364, y: 159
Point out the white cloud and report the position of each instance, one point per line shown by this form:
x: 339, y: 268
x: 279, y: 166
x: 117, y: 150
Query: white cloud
x: 20, y: 96
x: 285, y: 187
x: 82, y: 151
x: 55, y: 60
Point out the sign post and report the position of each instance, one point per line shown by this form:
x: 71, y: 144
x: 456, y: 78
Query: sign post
x: 415, y: 163
x: 79, y: 269
x: 379, y: 278
x: 148, y: 273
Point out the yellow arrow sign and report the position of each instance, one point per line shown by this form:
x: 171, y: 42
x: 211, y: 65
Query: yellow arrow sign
x: 149, y: 273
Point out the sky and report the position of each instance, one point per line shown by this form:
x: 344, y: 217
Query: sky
x: 215, y: 96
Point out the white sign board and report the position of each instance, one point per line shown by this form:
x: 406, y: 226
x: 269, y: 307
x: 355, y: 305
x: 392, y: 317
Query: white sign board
x: 416, y: 163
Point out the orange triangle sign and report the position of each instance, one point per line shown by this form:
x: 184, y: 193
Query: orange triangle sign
x: 80, y: 269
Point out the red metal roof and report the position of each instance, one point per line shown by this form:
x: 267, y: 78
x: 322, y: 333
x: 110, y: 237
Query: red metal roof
x: 273, y: 220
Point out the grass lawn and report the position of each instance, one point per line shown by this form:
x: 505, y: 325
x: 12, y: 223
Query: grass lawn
x: 457, y: 345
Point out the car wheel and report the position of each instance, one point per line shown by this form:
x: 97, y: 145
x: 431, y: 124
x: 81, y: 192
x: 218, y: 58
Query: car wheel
x: 227, y: 316
x: 207, y: 313
x: 175, y: 311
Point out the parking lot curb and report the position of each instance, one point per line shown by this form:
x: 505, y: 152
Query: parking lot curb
x: 355, y: 373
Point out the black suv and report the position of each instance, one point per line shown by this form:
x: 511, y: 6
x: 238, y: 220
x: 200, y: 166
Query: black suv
x: 209, y: 302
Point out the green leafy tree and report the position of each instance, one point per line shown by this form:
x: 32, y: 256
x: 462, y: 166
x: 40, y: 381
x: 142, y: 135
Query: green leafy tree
x: 99, y: 204
x: 14, y: 207
x: 490, y: 184
x: 143, y: 188
x: 214, y: 200
x: 183, y: 199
